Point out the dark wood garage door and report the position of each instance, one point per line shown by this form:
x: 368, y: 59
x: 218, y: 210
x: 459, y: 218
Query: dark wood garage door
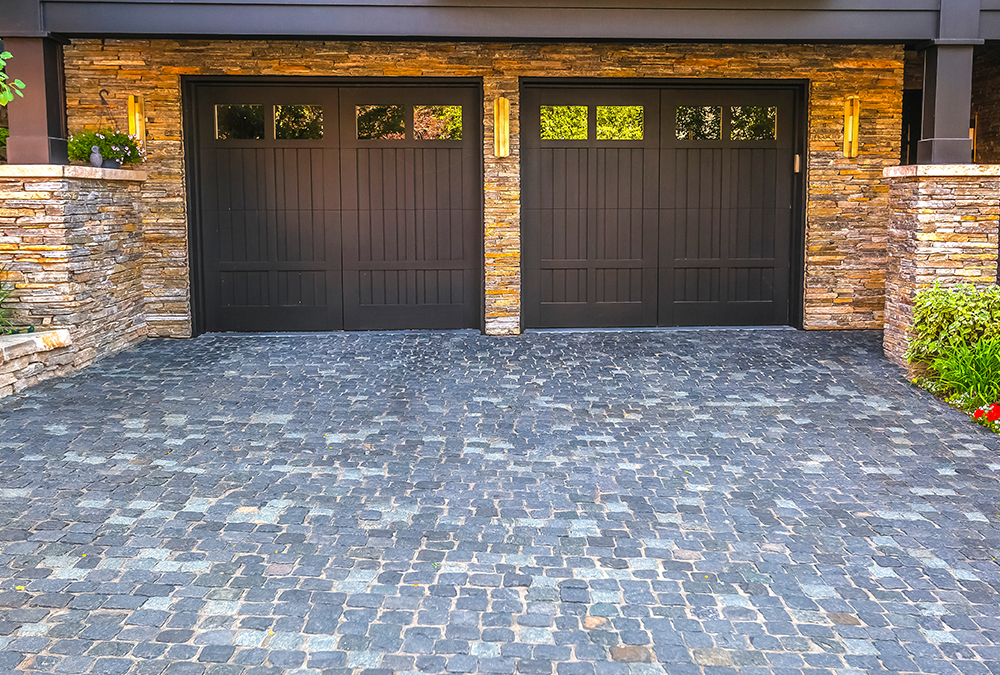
x: 657, y: 206
x: 326, y: 208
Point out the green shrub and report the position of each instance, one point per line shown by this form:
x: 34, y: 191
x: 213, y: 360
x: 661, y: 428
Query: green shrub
x: 112, y: 144
x: 943, y: 317
x: 4, y: 133
x: 6, y: 289
x: 971, y: 371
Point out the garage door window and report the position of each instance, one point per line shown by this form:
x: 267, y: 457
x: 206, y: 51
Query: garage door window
x: 699, y: 123
x: 437, y: 122
x: 754, y: 123
x: 564, y: 122
x: 298, y: 122
x: 619, y: 122
x: 380, y: 122
x: 239, y: 122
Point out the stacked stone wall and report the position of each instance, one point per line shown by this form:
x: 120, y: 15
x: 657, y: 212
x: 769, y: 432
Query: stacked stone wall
x: 26, y: 360
x: 71, y: 241
x: 847, y: 200
x: 944, y: 229
x: 986, y: 103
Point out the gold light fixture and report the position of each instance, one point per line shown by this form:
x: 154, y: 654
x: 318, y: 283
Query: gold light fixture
x: 501, y: 127
x: 852, y: 121
x: 137, y: 118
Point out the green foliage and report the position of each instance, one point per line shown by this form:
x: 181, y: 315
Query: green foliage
x: 437, y: 122
x: 112, y: 145
x: 699, y: 123
x: 240, y: 122
x: 6, y: 289
x: 564, y: 122
x: 619, y: 122
x: 753, y: 123
x: 943, y: 317
x: 972, y: 371
x: 297, y: 122
x: 380, y: 122
x: 4, y: 133
x: 8, y: 87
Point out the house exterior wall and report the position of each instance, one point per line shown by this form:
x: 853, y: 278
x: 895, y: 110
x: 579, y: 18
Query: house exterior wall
x: 846, y: 203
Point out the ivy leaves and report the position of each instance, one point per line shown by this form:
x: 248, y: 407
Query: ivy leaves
x: 8, y: 87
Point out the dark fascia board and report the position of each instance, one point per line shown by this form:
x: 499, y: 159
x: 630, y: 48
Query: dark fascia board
x: 104, y: 18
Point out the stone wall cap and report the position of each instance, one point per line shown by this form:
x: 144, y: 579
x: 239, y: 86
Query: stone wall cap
x: 64, y: 171
x: 942, y: 171
x: 23, y: 344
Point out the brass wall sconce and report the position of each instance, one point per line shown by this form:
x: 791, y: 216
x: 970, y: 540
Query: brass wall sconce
x: 137, y: 118
x: 501, y: 127
x: 852, y: 122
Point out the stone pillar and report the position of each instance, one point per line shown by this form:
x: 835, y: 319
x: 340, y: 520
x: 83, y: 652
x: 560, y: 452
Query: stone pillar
x: 943, y: 226
x: 502, y: 214
x: 71, y: 240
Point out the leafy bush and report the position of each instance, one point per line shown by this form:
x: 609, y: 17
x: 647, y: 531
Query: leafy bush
x: 972, y: 370
x: 6, y: 289
x: 112, y: 145
x: 4, y: 133
x: 943, y: 316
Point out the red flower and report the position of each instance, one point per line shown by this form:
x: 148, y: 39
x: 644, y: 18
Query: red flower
x: 994, y: 414
x: 979, y: 413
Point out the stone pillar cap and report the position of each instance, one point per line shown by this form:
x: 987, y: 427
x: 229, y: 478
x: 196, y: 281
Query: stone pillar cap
x: 942, y: 170
x: 64, y: 171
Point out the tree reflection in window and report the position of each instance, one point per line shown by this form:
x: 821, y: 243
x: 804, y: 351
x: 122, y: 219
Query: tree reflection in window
x: 380, y: 122
x: 564, y: 122
x: 699, y: 123
x: 239, y: 122
x: 754, y: 123
x: 298, y: 122
x: 619, y: 122
x: 437, y: 122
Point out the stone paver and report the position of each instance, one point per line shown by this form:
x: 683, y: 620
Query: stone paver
x: 593, y: 503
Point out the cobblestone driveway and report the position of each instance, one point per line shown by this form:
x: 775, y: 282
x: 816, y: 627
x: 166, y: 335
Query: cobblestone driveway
x: 571, y: 503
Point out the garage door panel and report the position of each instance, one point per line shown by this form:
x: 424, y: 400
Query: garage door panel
x: 320, y: 229
x: 696, y: 232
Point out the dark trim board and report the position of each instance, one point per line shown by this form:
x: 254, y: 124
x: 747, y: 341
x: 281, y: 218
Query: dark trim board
x: 706, y: 20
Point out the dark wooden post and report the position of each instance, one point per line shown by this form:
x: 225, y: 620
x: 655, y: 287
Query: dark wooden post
x: 37, y: 121
x: 948, y: 85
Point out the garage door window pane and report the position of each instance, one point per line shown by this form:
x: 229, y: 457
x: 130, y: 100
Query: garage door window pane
x: 239, y: 122
x: 437, y: 122
x: 754, y: 123
x: 699, y: 123
x: 619, y: 122
x: 298, y: 122
x: 564, y: 122
x: 380, y: 122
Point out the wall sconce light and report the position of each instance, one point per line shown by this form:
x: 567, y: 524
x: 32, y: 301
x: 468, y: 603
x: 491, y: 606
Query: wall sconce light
x: 852, y: 121
x: 973, y: 124
x: 501, y: 127
x: 137, y: 118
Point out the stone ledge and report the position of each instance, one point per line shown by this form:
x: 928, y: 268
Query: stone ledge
x: 942, y: 171
x: 15, y: 346
x: 64, y: 171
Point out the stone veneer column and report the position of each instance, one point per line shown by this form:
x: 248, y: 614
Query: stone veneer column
x: 502, y: 214
x: 71, y: 240
x: 943, y: 226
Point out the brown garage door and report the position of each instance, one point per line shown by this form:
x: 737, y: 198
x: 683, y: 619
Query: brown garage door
x: 657, y: 206
x: 325, y: 207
